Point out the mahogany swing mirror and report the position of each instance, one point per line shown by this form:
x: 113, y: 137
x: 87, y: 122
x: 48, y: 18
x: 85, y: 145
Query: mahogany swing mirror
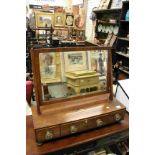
x: 73, y: 88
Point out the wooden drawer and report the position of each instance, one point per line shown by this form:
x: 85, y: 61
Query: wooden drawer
x: 75, y: 82
x: 73, y: 127
x: 83, y: 81
x: 91, y: 123
x: 100, y: 121
x: 88, y: 81
x: 47, y: 133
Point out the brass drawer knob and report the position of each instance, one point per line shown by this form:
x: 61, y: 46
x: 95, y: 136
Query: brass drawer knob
x: 117, y: 117
x: 99, y: 122
x: 73, y: 129
x: 49, y: 135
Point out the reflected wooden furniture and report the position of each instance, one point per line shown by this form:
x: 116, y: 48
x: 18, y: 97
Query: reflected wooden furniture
x: 109, y: 134
x: 62, y: 117
x: 86, y: 81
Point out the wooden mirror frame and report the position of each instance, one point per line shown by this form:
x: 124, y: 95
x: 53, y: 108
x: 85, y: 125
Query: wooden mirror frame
x: 37, y: 78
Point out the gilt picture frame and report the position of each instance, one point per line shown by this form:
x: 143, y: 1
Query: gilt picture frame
x: 59, y: 19
x: 69, y: 20
x: 43, y: 19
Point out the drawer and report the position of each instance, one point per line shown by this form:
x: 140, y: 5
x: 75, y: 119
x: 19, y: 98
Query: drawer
x: 83, y: 81
x: 47, y: 133
x: 99, y: 121
x: 75, y: 82
x: 103, y: 120
x: 88, y: 81
x: 73, y: 127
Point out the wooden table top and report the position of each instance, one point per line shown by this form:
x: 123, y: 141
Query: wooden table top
x: 33, y: 149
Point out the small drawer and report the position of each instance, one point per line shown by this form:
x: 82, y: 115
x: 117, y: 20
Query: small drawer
x: 99, y: 121
x: 74, y: 127
x: 87, y: 81
x: 74, y: 82
x: 47, y: 133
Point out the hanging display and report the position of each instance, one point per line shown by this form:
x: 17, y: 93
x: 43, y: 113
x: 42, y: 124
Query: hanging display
x: 44, y: 19
x: 59, y: 19
x: 69, y: 20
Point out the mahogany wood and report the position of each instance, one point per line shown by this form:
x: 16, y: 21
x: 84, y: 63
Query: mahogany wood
x: 71, y: 141
x: 83, y: 114
x: 76, y: 114
x: 36, y: 68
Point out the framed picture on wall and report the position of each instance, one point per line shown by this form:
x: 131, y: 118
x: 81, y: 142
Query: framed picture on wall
x: 69, y: 20
x: 104, y: 4
x: 43, y: 19
x: 59, y: 19
x: 75, y: 61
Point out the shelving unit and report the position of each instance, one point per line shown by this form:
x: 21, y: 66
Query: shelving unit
x: 121, y: 54
x: 123, y: 38
x: 104, y: 17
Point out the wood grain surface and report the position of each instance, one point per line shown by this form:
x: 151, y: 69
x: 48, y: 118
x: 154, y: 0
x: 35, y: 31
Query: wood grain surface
x: 71, y: 141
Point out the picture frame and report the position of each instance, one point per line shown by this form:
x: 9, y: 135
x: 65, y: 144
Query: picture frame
x: 98, y: 61
x: 79, y: 22
x: 50, y: 67
x: 75, y: 61
x: 61, y: 32
x: 104, y: 4
x: 69, y: 20
x: 44, y: 18
x: 59, y: 19
x: 116, y: 4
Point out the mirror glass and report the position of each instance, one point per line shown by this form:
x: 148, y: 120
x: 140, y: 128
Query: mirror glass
x: 74, y: 73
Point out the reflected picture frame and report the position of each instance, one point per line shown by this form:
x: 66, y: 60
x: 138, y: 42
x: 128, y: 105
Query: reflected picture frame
x: 50, y: 67
x: 75, y: 61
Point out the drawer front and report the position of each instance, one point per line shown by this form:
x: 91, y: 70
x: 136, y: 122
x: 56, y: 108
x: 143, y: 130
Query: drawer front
x: 99, y: 121
x: 91, y: 123
x: 47, y: 133
x: 74, y: 127
x: 74, y: 82
x: 103, y: 120
x: 88, y: 81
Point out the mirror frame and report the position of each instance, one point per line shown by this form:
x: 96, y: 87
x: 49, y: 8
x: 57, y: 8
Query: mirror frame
x: 37, y: 77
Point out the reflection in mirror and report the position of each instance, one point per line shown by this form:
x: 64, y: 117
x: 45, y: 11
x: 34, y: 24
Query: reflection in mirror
x: 69, y: 74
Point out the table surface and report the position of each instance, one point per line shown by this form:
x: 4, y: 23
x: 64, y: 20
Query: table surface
x: 33, y: 149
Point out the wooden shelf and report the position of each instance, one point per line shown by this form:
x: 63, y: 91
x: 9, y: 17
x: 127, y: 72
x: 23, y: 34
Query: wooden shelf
x: 122, y: 54
x: 42, y: 28
x: 123, y: 38
x: 108, y: 23
x: 124, y: 71
x: 106, y: 10
x: 124, y: 21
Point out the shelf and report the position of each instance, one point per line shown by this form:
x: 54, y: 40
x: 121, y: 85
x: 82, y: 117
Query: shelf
x: 42, y: 28
x: 124, y: 71
x: 122, y: 54
x: 107, y: 23
x: 106, y: 10
x: 124, y: 21
x: 123, y: 38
